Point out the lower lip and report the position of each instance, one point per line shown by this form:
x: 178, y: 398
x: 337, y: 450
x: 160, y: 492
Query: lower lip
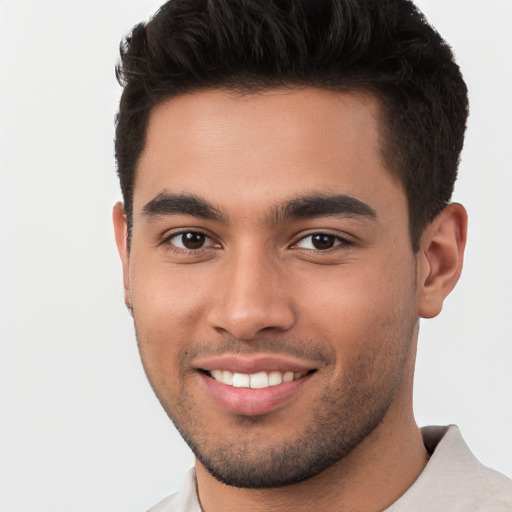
x: 253, y: 402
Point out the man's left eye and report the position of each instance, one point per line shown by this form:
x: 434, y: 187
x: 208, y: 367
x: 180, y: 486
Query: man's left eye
x: 319, y: 242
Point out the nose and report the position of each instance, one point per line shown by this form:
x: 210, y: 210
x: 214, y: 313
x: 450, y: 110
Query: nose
x: 251, y: 297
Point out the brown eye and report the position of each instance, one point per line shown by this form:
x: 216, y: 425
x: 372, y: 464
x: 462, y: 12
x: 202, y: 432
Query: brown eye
x: 320, y: 242
x: 323, y: 241
x: 190, y: 240
x: 193, y: 240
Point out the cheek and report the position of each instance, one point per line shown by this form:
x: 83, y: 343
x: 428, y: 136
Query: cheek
x: 353, y: 295
x: 166, y: 297
x: 166, y: 311
x: 363, y: 312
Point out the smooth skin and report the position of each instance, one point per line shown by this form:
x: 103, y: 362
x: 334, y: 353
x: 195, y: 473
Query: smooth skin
x: 250, y: 277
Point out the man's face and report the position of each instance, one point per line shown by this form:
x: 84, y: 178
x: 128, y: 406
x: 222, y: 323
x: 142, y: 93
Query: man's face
x: 272, y: 279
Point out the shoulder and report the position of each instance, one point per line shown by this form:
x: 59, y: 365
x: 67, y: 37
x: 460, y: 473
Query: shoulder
x: 167, y: 505
x: 458, y: 467
x: 488, y: 488
x: 185, y: 500
x: 454, y: 479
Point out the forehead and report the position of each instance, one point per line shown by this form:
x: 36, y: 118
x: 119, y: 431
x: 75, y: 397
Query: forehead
x: 255, y: 149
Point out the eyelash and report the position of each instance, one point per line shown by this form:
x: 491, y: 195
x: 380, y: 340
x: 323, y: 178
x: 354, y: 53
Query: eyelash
x: 337, y: 242
x: 185, y: 250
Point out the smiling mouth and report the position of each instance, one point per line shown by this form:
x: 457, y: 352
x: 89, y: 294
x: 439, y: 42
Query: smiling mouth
x: 259, y: 380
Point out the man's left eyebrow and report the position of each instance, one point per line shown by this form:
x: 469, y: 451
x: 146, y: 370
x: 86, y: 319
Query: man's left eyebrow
x: 322, y: 205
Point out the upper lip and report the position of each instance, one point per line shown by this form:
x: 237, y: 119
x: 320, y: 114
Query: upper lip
x: 250, y: 364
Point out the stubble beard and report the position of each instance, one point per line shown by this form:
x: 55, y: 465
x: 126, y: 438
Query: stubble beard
x: 259, y: 463
x: 347, y: 413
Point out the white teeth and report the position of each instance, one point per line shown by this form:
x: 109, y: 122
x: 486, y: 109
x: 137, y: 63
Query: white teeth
x: 275, y: 378
x: 241, y: 380
x: 258, y: 380
x: 227, y: 377
x: 288, y: 377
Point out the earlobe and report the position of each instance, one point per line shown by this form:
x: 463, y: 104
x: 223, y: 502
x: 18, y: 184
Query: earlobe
x: 120, y: 230
x: 440, y: 258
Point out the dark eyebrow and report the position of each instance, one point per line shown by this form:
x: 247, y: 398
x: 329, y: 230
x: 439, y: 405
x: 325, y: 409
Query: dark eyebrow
x: 321, y: 205
x: 166, y: 203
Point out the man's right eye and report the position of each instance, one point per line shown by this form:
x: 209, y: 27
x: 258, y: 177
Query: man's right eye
x: 190, y: 241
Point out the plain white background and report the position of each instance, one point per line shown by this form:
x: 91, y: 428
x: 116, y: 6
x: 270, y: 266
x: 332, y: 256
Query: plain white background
x: 80, y: 429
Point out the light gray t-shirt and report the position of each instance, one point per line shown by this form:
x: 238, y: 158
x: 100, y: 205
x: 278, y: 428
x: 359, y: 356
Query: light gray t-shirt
x: 452, y: 481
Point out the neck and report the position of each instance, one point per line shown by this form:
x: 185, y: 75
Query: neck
x: 372, y: 477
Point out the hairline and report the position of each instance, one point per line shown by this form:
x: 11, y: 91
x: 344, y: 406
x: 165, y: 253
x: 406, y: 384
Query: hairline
x: 384, y: 132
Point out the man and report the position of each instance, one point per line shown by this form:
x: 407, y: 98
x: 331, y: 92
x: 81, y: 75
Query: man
x: 287, y: 168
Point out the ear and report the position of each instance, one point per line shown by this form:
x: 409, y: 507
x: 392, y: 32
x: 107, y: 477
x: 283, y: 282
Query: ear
x: 440, y: 258
x: 121, y: 233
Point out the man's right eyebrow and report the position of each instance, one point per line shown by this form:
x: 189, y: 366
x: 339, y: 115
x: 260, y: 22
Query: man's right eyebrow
x: 167, y: 203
